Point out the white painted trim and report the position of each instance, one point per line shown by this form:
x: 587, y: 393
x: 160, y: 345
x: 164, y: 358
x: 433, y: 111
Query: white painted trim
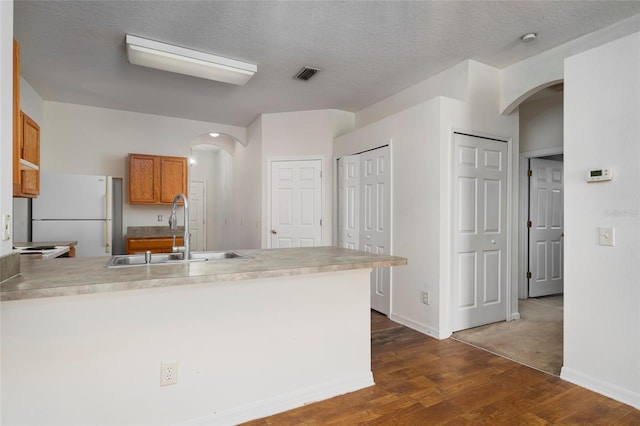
x: 421, y: 327
x: 603, y: 388
x: 204, y: 202
x: 284, y: 402
x: 270, y: 161
x: 523, y: 202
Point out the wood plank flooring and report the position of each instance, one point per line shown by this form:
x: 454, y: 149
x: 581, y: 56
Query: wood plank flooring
x: 424, y: 381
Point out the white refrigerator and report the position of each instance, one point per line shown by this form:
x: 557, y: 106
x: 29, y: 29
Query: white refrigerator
x: 74, y: 208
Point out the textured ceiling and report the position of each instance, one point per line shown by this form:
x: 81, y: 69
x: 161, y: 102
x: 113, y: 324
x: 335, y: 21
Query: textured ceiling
x: 74, y: 51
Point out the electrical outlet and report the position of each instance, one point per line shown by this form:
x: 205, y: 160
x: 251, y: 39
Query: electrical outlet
x: 159, y: 218
x: 606, y: 236
x: 6, y: 227
x: 168, y: 373
x: 425, y: 297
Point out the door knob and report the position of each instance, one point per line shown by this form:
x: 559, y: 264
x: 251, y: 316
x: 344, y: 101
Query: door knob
x: 274, y: 232
x: 493, y: 242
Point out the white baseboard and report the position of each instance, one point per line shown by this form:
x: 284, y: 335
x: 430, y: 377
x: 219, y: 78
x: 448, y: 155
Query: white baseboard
x: 280, y: 403
x: 422, y: 328
x: 607, y: 389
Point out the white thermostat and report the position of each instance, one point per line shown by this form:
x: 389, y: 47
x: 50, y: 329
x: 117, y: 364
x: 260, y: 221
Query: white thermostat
x: 598, y: 175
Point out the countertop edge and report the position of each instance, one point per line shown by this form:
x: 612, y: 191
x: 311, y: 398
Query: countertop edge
x: 160, y: 282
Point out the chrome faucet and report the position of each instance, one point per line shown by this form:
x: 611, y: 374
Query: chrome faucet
x: 185, y: 248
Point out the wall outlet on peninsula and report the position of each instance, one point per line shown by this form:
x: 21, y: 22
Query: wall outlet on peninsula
x: 168, y: 373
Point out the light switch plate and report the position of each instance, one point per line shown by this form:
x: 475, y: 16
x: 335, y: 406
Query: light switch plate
x: 6, y: 227
x: 606, y: 236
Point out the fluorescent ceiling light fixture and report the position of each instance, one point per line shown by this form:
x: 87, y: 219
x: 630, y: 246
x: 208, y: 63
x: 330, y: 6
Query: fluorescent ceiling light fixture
x: 166, y: 57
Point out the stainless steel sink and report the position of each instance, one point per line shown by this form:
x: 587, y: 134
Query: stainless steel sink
x: 141, y: 259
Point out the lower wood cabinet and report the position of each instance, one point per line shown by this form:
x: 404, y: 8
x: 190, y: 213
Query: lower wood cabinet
x: 155, y: 245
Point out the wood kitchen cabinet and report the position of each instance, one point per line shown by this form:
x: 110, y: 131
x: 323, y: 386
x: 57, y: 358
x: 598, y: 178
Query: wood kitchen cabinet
x: 26, y: 141
x: 30, y: 157
x: 155, y: 179
x: 155, y: 245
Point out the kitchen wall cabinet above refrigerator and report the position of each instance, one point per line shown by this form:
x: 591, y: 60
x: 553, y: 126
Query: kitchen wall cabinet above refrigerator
x: 26, y: 141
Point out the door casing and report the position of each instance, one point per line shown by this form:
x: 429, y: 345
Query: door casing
x: 202, y: 211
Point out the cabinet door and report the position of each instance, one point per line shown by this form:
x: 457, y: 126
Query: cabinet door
x: 144, y: 179
x: 17, y: 119
x: 155, y: 245
x: 30, y: 151
x: 30, y: 140
x: 173, y: 179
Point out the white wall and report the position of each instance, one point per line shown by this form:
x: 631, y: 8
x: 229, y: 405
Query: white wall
x: 441, y: 84
x: 31, y: 103
x: 415, y: 153
x: 421, y: 138
x: 245, y: 349
x: 6, y: 115
x: 242, y: 227
x: 602, y: 314
x: 541, y: 124
x: 88, y: 140
x: 526, y: 77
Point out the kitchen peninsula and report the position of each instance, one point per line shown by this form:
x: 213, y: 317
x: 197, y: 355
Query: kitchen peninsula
x: 83, y: 344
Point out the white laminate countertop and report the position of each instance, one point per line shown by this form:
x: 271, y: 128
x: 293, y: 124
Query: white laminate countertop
x: 73, y: 276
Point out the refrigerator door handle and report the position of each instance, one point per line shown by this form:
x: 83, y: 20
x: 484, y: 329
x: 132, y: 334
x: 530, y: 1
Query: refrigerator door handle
x: 107, y: 247
x: 107, y: 204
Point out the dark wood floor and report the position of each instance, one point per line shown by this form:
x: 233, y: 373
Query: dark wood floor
x: 424, y: 381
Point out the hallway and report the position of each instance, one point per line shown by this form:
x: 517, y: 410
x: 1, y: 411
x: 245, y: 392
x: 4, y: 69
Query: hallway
x: 534, y: 340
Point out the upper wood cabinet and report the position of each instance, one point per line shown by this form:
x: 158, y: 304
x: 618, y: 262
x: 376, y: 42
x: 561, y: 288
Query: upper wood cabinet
x: 26, y: 141
x: 16, y: 118
x: 154, y: 179
x: 30, y: 157
x: 173, y: 178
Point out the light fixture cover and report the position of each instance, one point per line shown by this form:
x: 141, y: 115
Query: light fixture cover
x: 167, y: 57
x: 528, y: 37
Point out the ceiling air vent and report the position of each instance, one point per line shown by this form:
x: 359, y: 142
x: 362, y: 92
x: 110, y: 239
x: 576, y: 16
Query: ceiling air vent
x: 306, y: 73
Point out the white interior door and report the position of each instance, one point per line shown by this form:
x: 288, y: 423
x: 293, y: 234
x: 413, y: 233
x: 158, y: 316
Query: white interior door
x: 545, y: 232
x: 375, y: 229
x: 480, y: 231
x: 296, y: 203
x: 197, y: 215
x: 349, y: 201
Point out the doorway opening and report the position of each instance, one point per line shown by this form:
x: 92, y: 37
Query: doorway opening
x: 541, y: 133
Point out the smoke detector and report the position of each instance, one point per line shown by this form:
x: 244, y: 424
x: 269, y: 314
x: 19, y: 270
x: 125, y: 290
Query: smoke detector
x: 306, y: 73
x: 528, y: 37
